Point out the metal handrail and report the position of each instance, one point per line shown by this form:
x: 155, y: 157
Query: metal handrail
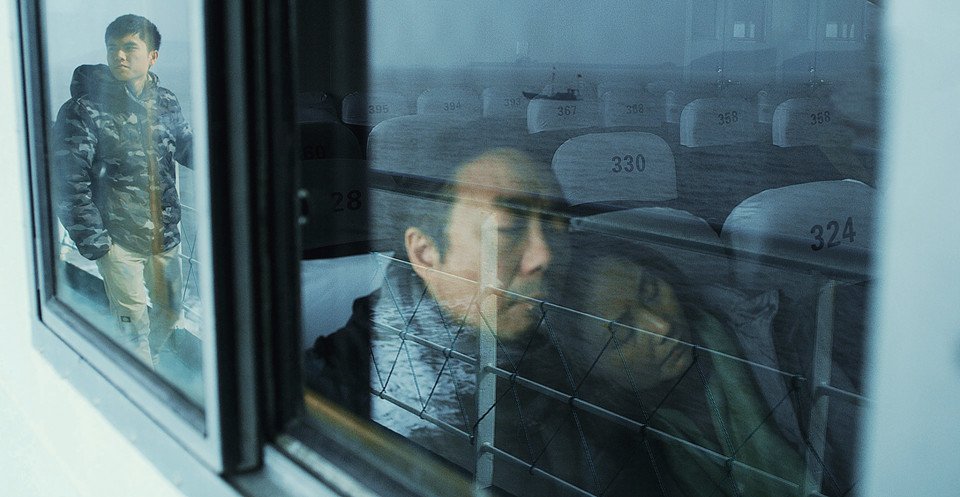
x: 572, y: 400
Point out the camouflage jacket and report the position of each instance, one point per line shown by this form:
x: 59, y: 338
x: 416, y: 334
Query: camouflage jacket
x: 114, y: 164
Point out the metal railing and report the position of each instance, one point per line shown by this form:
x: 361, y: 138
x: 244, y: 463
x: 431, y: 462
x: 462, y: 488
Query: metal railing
x: 481, y: 434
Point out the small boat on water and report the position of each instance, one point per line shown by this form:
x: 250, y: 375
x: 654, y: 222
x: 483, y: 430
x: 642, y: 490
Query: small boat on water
x: 547, y: 93
x: 570, y: 94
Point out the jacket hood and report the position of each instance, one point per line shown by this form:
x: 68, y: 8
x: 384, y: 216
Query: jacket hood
x: 92, y: 80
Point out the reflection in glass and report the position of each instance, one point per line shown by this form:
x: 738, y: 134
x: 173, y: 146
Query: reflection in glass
x: 616, y: 265
x: 121, y: 182
x: 704, y: 19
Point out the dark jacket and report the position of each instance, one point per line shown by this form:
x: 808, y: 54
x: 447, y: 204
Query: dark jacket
x: 114, y: 164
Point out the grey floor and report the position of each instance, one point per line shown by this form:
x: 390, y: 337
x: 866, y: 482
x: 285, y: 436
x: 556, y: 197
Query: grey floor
x: 179, y: 360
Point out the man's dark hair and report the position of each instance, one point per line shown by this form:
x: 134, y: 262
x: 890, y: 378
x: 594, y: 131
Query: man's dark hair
x: 426, y: 202
x: 418, y: 202
x: 133, y: 24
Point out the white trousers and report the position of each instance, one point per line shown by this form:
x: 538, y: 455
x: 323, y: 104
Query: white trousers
x: 132, y: 282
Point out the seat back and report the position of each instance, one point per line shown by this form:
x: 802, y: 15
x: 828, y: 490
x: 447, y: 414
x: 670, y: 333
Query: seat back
x: 804, y: 121
x: 328, y: 140
x: 369, y: 109
x: 551, y: 115
x: 717, y: 121
x: 329, y: 287
x: 402, y: 144
x: 502, y: 102
x: 620, y: 166
x: 450, y: 102
x: 315, y: 106
x: 335, y: 204
x: 825, y: 226
x: 621, y: 107
x: 433, y: 146
x: 681, y: 237
x: 825, y: 229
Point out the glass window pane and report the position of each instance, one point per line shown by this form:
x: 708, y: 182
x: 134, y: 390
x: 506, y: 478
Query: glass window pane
x: 747, y: 18
x: 122, y: 177
x: 842, y: 19
x: 594, y: 267
x: 705, y: 19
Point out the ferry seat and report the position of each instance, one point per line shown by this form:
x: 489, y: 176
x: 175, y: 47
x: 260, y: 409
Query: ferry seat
x: 328, y: 140
x: 767, y: 101
x: 426, y: 145
x: 824, y: 226
x: 553, y: 115
x: 717, y: 121
x: 629, y: 107
x: 450, y: 102
x: 676, y: 96
x: 688, y: 241
x: 616, y: 166
x: 675, y: 99
x: 812, y: 243
x: 329, y: 287
x: 369, y: 109
x: 395, y: 144
x: 501, y: 102
x: 804, y: 121
x: 315, y: 106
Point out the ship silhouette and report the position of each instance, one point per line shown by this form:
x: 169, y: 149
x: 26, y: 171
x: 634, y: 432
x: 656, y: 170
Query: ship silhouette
x: 548, y: 93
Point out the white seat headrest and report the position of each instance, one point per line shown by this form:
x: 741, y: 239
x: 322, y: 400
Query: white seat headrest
x: 503, y: 102
x: 369, y: 109
x: 681, y: 237
x: 329, y: 287
x: 804, y: 121
x: 629, y: 107
x: 826, y: 224
x: 451, y: 102
x: 717, y: 121
x: 552, y: 115
x: 618, y: 166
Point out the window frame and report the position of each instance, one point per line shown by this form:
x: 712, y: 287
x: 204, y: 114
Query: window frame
x: 224, y: 435
x: 336, y: 450
x: 256, y: 399
x: 828, y: 14
x: 730, y: 21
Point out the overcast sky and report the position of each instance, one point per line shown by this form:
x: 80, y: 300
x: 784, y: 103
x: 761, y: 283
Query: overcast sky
x: 453, y: 32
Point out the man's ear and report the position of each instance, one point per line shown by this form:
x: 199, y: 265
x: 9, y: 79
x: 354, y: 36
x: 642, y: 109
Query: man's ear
x: 152, y: 56
x: 421, y: 251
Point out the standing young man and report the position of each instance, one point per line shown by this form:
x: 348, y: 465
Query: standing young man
x: 117, y: 143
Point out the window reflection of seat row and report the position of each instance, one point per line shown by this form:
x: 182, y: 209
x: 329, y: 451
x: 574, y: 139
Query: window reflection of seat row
x: 775, y: 256
x: 806, y: 242
x: 740, y: 193
x: 781, y: 136
x: 692, y: 115
x: 709, y: 180
x: 629, y: 166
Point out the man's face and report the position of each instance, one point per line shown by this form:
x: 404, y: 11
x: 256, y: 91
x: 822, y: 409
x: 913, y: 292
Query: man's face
x: 523, y: 251
x: 130, y: 59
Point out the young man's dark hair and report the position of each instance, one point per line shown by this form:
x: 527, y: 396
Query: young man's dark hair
x: 130, y: 24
